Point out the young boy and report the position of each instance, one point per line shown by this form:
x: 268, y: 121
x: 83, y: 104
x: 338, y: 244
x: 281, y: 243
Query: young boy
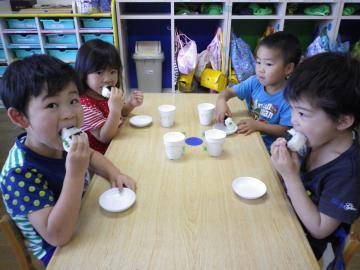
x: 276, y: 58
x: 42, y: 185
x: 324, y: 187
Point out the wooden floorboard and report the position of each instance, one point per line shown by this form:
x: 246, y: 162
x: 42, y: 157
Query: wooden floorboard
x: 8, y: 133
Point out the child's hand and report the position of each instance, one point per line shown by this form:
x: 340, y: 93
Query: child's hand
x: 136, y: 98
x: 247, y: 126
x: 285, y: 162
x: 78, y: 157
x: 221, y: 110
x: 116, y: 100
x: 123, y: 180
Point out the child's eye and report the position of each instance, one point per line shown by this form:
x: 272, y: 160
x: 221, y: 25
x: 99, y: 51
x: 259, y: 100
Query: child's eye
x: 258, y: 62
x: 114, y: 71
x: 75, y: 101
x: 52, y: 106
x: 301, y: 114
x: 99, y: 72
x: 269, y: 64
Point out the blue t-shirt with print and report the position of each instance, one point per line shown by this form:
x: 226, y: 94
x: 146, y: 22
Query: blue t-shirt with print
x: 335, y: 189
x: 30, y: 182
x: 272, y: 109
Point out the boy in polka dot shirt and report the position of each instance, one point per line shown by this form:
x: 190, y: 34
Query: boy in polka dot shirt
x: 41, y: 184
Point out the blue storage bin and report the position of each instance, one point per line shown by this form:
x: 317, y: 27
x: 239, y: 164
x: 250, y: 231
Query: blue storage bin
x: 96, y: 23
x: 2, y: 54
x: 56, y: 24
x: 21, y: 23
x: 21, y: 53
x: 105, y: 37
x: 64, y: 55
x: 61, y: 39
x: 25, y: 39
x: 2, y: 70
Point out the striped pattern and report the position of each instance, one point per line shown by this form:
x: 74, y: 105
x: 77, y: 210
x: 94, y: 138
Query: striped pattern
x: 33, y: 241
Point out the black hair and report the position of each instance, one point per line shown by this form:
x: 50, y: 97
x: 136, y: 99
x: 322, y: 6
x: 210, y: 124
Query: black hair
x: 329, y: 81
x: 288, y: 45
x: 30, y: 76
x: 95, y: 55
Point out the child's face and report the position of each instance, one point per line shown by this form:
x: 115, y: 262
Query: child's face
x: 270, y: 68
x: 100, y: 78
x: 314, y: 123
x: 48, y: 115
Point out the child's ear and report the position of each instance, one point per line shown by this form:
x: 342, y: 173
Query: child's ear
x: 289, y: 68
x: 345, y: 122
x: 18, y: 118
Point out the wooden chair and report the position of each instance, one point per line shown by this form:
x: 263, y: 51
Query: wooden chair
x: 353, y: 241
x: 16, y: 243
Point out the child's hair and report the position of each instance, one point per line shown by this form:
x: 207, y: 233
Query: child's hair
x: 329, y: 81
x: 288, y: 45
x: 30, y: 76
x: 95, y: 55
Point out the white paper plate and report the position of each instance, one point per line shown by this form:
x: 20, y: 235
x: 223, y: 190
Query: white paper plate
x: 222, y: 127
x: 113, y: 200
x: 249, y: 187
x: 140, y: 120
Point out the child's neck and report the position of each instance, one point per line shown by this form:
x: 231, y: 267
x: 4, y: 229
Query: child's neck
x: 331, y: 150
x: 93, y: 94
x: 41, y: 149
x: 275, y: 87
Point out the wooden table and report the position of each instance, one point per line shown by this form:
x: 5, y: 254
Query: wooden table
x: 186, y: 215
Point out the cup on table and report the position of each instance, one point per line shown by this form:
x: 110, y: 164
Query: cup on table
x: 215, y: 139
x: 206, y: 113
x: 174, y: 142
x: 167, y: 115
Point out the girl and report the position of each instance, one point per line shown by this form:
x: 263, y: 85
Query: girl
x: 98, y: 64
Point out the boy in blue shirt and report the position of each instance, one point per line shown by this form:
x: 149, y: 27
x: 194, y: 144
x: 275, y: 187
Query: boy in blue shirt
x: 276, y: 57
x: 41, y: 184
x: 324, y: 185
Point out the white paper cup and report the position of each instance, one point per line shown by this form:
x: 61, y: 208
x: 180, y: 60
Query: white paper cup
x: 215, y: 139
x: 206, y: 113
x: 174, y: 143
x: 167, y: 115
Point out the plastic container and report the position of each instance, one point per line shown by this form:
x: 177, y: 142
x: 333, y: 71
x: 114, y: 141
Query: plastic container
x: 26, y: 52
x: 96, y: 23
x: 148, y: 60
x: 61, y: 39
x: 64, y: 55
x: 21, y: 23
x: 56, y: 24
x: 25, y: 39
x: 104, y: 37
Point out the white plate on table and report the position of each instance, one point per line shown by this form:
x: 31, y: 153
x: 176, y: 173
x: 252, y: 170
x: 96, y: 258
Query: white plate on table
x: 140, y: 120
x: 249, y: 187
x: 113, y: 200
x: 224, y: 128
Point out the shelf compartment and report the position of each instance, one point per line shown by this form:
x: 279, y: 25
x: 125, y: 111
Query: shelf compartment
x: 21, y: 23
x: 103, y: 23
x: 251, y: 30
x: 307, y: 9
x: 56, y: 24
x: 61, y: 38
x: 349, y: 31
x: 24, y: 39
x: 2, y: 55
x: 104, y: 37
x: 201, y: 9
x: 255, y: 9
x: 25, y: 52
x: 2, y: 70
x: 142, y: 8
x: 63, y: 54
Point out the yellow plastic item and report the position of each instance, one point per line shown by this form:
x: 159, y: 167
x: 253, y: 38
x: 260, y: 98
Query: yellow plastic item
x: 185, y: 82
x: 213, y: 79
x: 232, y: 75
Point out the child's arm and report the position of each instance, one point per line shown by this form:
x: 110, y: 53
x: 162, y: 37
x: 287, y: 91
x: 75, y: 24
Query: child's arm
x: 57, y: 224
x: 105, y: 168
x: 136, y: 99
x: 248, y: 126
x: 287, y: 164
x: 108, y: 130
x: 222, y: 108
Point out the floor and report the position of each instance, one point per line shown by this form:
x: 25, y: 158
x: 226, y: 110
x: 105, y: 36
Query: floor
x: 8, y: 132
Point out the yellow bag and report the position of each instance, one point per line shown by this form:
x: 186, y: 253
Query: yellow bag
x: 213, y: 79
x: 185, y: 82
x: 232, y: 75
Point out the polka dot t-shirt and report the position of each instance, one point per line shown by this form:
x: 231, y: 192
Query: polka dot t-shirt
x: 30, y: 182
